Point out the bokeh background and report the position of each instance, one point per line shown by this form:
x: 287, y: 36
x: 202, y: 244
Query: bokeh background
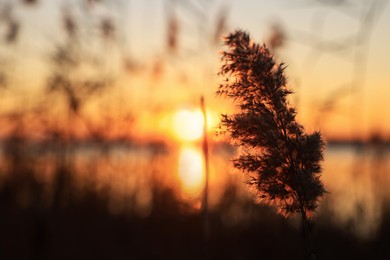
x: 103, y: 133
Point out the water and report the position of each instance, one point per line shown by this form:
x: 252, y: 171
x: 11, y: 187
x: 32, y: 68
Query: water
x: 356, y: 178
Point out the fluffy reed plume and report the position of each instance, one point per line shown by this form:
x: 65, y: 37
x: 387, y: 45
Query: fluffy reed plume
x: 107, y: 28
x: 221, y: 24
x: 282, y: 161
x: 9, y: 22
x: 173, y: 30
x: 69, y: 24
x: 30, y: 2
x: 277, y: 37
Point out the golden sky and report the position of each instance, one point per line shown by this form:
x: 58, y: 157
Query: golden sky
x: 341, y: 91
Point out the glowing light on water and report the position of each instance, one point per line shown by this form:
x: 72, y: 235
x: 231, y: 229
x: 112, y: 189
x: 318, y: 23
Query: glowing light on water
x: 190, y: 170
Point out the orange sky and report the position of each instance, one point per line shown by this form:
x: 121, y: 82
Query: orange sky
x: 162, y: 84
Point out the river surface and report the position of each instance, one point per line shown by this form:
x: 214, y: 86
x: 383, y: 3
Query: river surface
x: 356, y: 178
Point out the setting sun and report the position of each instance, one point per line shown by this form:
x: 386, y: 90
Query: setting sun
x: 188, y: 125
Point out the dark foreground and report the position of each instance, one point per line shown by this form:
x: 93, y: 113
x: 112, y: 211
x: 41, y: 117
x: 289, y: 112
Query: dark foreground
x: 85, y: 229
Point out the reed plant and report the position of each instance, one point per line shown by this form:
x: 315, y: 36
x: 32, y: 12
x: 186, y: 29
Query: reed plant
x: 281, y: 160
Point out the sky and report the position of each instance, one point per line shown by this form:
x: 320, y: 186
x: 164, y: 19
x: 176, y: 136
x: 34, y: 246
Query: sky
x: 341, y: 91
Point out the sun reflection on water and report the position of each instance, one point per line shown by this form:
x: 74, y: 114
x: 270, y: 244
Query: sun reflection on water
x: 191, y: 171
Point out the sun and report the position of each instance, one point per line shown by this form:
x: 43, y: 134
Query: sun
x: 188, y: 124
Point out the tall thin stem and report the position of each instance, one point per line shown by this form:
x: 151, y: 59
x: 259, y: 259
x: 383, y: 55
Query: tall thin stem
x: 205, y: 149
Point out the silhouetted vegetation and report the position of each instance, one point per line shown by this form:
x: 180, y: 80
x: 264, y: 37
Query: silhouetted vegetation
x: 281, y: 160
